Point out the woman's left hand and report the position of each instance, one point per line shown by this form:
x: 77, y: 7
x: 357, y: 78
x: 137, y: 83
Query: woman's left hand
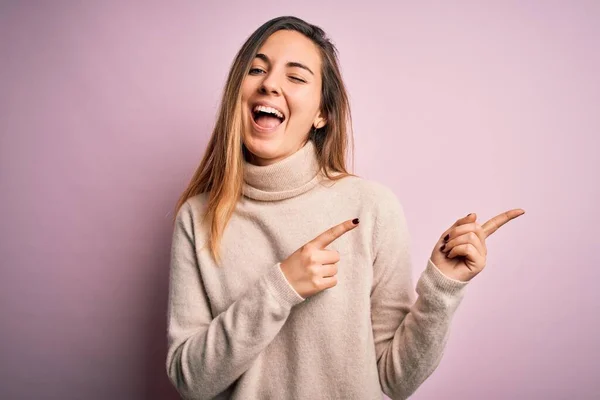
x: 461, y: 251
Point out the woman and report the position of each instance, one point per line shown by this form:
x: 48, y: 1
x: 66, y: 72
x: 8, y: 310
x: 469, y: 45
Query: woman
x: 290, y: 277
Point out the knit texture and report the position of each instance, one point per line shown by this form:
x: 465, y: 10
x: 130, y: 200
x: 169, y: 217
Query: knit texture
x: 241, y: 331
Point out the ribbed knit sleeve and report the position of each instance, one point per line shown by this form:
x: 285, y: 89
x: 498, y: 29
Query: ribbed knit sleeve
x: 207, y: 353
x: 410, y: 331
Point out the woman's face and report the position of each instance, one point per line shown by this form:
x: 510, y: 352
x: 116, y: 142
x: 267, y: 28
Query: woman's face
x: 281, y: 96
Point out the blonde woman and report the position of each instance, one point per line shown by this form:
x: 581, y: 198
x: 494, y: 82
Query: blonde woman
x: 290, y: 277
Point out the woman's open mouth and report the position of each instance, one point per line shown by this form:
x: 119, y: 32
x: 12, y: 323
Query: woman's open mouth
x: 266, y: 119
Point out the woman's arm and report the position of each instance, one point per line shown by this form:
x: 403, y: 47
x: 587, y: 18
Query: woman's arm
x: 410, y: 332
x: 205, y: 355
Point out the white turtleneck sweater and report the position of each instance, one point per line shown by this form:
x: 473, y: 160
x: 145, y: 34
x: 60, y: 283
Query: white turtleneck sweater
x: 241, y: 331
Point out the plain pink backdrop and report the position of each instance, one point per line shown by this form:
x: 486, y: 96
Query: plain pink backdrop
x: 105, y: 111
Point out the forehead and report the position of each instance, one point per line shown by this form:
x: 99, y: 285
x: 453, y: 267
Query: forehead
x: 285, y: 45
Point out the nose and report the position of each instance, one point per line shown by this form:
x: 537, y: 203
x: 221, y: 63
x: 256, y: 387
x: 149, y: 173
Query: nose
x: 270, y: 84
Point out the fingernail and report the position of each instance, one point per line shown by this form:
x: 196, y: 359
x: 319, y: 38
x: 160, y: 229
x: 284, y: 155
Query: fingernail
x: 446, y: 237
x: 443, y: 247
x: 355, y: 221
x: 469, y: 214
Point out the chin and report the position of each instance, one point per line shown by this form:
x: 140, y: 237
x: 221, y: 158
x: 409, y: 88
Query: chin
x: 262, y: 148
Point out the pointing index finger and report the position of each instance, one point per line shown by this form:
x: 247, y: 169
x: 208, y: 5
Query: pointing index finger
x: 331, y: 234
x: 493, y: 224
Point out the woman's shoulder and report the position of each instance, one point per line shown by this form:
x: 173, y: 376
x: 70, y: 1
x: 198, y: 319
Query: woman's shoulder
x: 377, y: 203
x: 193, y: 206
x: 364, y: 189
x: 198, y: 201
x: 190, y: 218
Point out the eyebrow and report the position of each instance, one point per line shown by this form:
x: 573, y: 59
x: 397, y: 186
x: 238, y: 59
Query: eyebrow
x: 289, y: 64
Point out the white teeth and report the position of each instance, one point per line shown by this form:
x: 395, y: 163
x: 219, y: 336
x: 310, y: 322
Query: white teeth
x: 268, y: 110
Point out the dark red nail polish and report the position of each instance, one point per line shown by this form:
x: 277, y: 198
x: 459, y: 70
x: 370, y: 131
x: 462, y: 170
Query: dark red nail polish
x: 446, y: 237
x: 443, y: 247
x: 355, y: 221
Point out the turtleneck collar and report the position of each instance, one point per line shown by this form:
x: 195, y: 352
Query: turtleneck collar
x: 289, y: 177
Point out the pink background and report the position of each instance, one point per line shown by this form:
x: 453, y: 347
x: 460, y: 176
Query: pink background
x: 105, y: 111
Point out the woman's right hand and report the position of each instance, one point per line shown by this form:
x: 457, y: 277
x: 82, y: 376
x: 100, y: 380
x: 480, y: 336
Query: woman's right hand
x: 312, y: 269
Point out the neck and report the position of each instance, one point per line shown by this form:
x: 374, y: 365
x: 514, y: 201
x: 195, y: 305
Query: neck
x: 285, y: 178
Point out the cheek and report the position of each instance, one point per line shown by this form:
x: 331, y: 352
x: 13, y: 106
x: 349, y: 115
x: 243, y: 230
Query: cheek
x: 249, y: 85
x: 303, y: 106
x: 245, y: 90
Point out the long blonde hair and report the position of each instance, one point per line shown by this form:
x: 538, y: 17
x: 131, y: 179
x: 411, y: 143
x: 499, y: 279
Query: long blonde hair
x: 220, y: 172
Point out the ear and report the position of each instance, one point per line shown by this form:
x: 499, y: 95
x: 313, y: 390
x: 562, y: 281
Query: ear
x: 320, y: 121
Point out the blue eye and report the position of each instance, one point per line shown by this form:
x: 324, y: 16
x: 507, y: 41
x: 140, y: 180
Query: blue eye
x: 253, y: 70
